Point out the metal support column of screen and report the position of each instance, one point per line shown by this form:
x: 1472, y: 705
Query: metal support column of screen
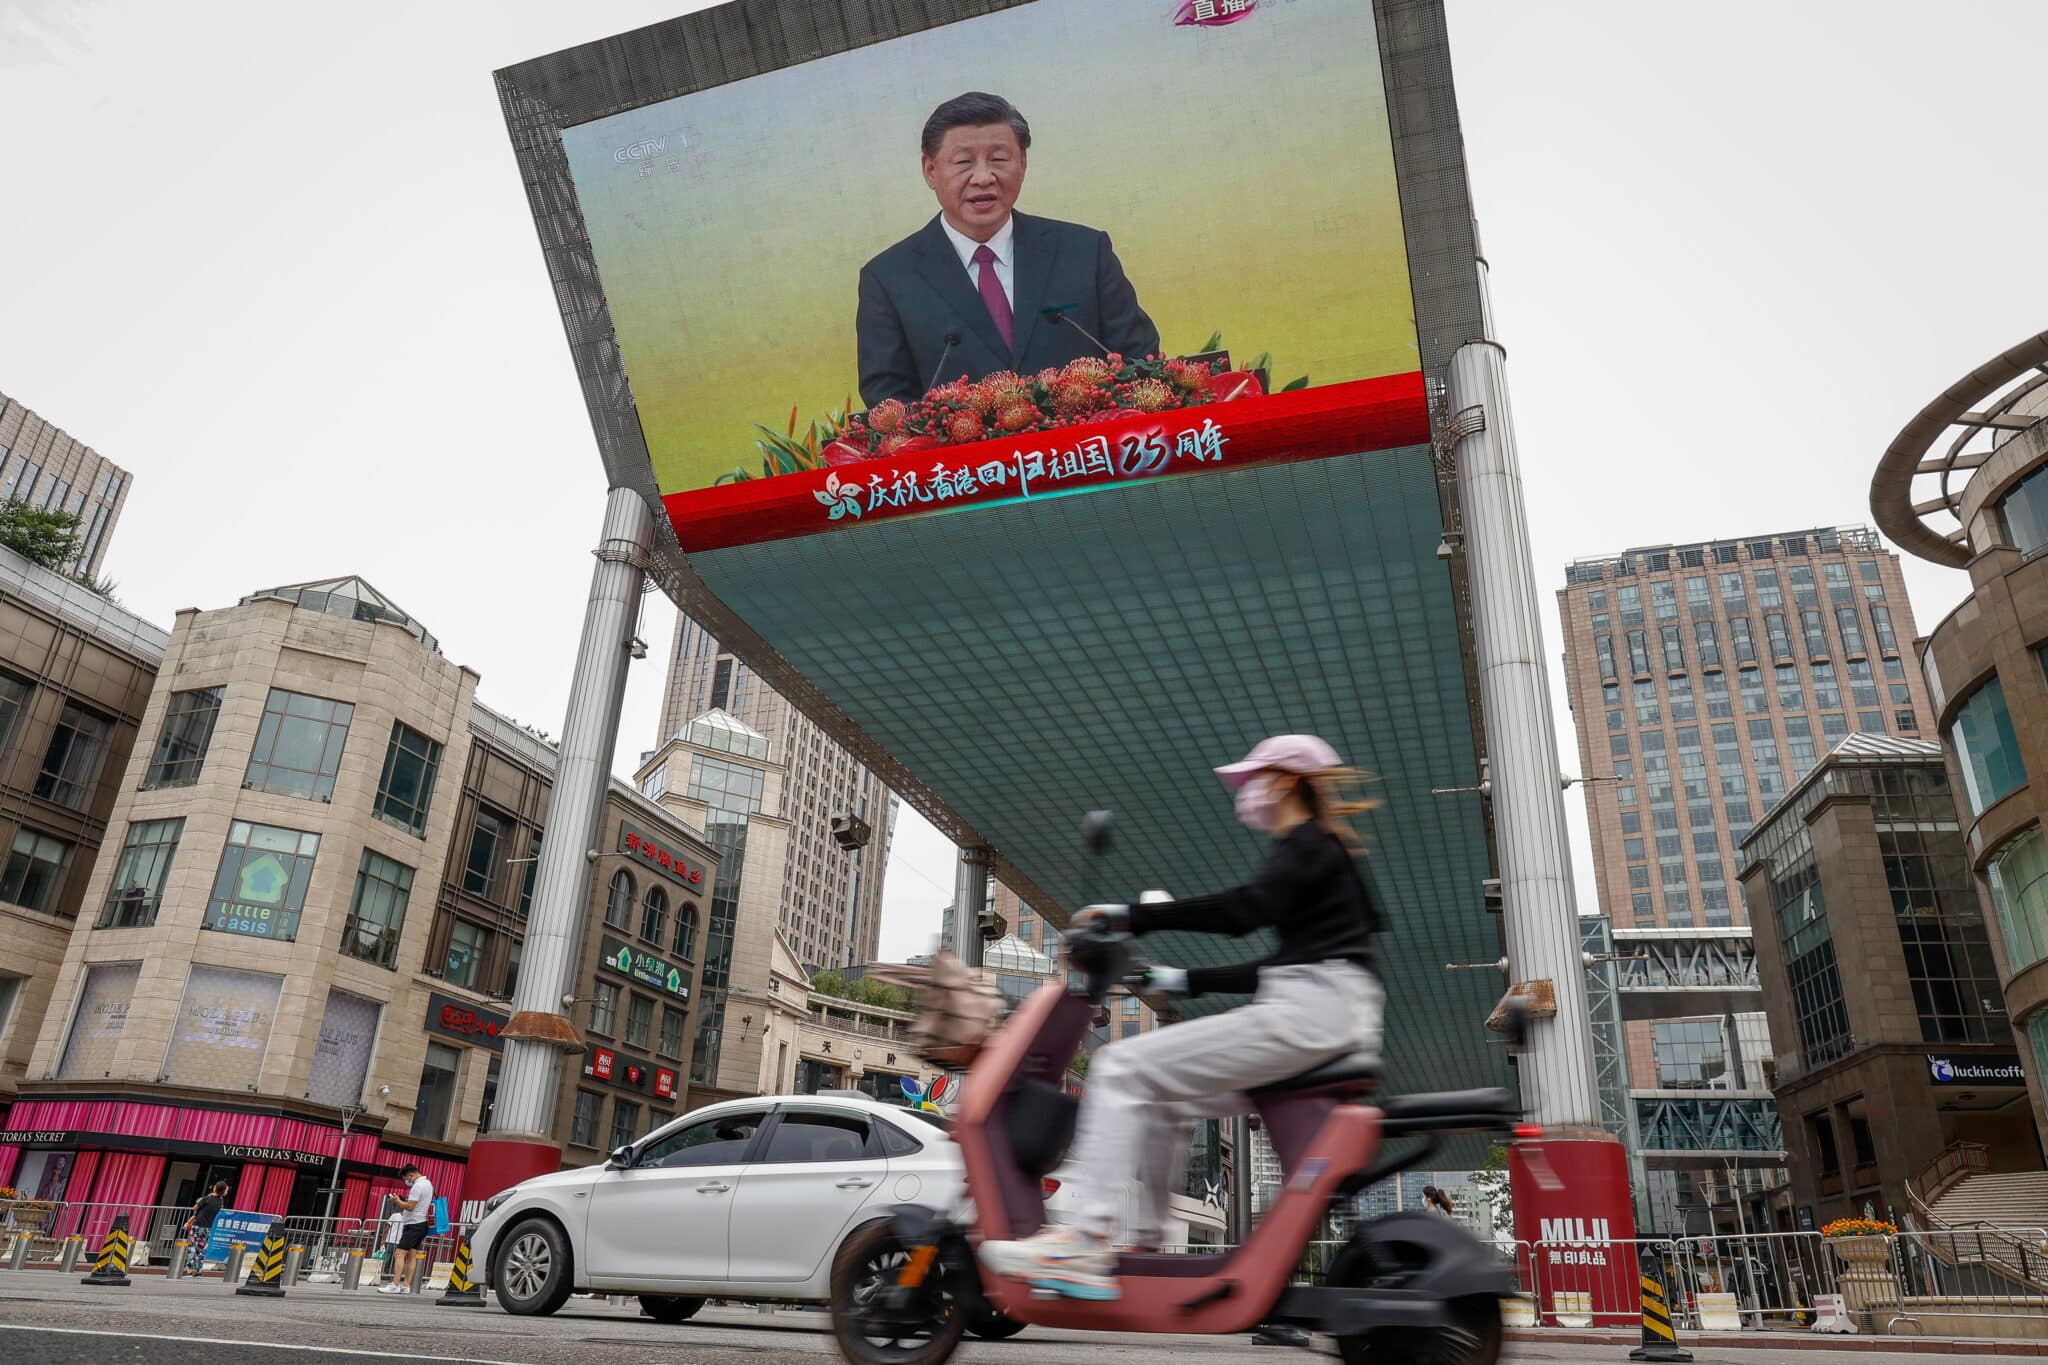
x: 970, y: 891
x: 1538, y: 904
x: 554, y: 930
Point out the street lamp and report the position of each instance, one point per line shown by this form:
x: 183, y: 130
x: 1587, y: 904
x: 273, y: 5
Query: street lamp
x: 349, y: 1113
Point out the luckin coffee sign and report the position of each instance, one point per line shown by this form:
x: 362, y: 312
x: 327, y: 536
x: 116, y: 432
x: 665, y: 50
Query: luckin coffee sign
x: 1998, y: 1068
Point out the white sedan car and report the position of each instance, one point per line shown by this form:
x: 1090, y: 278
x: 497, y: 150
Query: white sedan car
x: 747, y: 1199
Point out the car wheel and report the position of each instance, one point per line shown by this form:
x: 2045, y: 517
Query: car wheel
x: 670, y: 1307
x: 994, y: 1326
x: 531, y: 1270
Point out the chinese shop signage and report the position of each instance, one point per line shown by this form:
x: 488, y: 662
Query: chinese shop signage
x: 449, y: 1016
x: 660, y: 856
x: 646, y: 968
x: 627, y: 1072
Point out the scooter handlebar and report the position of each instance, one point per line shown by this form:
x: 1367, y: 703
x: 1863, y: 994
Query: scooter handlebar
x: 1103, y: 955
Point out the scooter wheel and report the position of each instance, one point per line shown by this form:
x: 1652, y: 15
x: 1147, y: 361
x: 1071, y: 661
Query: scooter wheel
x: 1472, y: 1338
x: 870, y: 1329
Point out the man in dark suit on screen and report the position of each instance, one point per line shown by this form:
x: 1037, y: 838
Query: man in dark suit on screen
x: 966, y: 293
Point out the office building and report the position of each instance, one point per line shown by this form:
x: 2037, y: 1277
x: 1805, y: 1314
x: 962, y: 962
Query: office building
x: 1882, y: 991
x: 45, y: 467
x: 75, y: 677
x: 830, y: 897
x: 290, y: 964
x: 1705, y: 680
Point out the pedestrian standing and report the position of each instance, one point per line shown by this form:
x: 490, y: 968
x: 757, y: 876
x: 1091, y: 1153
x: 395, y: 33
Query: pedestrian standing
x: 415, y: 1209
x: 199, y: 1227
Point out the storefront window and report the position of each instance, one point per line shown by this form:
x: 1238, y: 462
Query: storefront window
x: 97, y: 1022
x: 437, y: 1092
x: 138, y: 884
x: 187, y: 733
x: 298, y: 745
x: 1989, y: 751
x: 222, y: 1029
x: 2019, y: 892
x: 261, y: 886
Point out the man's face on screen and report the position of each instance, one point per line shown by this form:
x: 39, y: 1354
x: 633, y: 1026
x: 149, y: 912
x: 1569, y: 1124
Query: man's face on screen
x: 976, y: 176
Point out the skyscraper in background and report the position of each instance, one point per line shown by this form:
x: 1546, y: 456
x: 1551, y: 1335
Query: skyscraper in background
x: 831, y: 903
x: 47, y: 468
x: 1705, y: 680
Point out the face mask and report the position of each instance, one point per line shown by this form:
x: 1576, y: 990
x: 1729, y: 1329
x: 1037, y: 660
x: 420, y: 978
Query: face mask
x: 1255, y: 803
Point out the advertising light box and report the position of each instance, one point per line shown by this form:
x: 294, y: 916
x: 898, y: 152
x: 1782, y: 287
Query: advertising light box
x: 1054, y: 249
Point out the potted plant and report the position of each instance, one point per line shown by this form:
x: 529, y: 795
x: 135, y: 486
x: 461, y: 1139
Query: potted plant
x: 1861, y: 1243
x: 8, y: 1198
x: 30, y: 1215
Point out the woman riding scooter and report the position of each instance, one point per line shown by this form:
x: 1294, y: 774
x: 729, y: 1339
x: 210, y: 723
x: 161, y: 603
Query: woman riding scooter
x: 1314, y: 999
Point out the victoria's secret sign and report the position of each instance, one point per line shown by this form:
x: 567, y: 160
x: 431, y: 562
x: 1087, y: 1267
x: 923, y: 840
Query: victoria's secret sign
x: 659, y: 856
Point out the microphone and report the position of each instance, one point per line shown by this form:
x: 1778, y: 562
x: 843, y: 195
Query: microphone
x: 1057, y: 315
x: 952, y: 340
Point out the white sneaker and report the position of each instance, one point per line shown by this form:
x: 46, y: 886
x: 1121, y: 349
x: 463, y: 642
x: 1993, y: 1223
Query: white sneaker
x: 390, y: 1289
x: 1060, y: 1260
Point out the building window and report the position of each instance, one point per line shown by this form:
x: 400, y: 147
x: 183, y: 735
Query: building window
x: 730, y: 787
x: 14, y: 695
x: 376, y: 913
x: 486, y: 846
x: 618, y: 906
x: 1781, y: 641
x: 639, y: 1020
x: 1638, y: 652
x: 1851, y: 627
x: 467, y: 945
x: 1692, y: 1054
x: 1790, y: 697
x: 654, y: 915
x: 187, y: 732
x: 2023, y: 513
x: 1704, y: 643
x: 71, y: 765
x: 1941, y: 928
x: 1990, y: 754
x: 1603, y: 646
x: 1816, y: 634
x: 583, y: 1128
x: 1674, y: 649
x: 1647, y: 711
x: 410, y: 763
x: 261, y: 886
x: 625, y: 1123
x: 671, y: 1032
x: 604, y: 1008
x: 721, y: 683
x: 1881, y: 618
x: 512, y: 956
x: 1827, y: 693
x: 2018, y: 875
x: 35, y: 869
x: 1767, y: 594
x: 686, y: 932
x: 138, y: 885
x: 298, y: 745
x: 1745, y: 646
x: 437, y: 1092
x: 490, y: 1104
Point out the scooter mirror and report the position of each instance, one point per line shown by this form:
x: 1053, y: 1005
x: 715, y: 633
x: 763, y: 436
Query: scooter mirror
x: 1095, y: 827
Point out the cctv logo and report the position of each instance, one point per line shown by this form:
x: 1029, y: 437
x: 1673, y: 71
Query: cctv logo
x: 641, y: 150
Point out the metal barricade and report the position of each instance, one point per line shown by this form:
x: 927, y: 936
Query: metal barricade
x: 1598, y: 1283
x: 1970, y: 1281
x: 1774, y: 1276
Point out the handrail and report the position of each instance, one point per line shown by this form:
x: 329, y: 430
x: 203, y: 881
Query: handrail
x: 1949, y: 1167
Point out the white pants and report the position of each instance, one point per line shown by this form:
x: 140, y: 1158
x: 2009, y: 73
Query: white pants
x: 1143, y: 1095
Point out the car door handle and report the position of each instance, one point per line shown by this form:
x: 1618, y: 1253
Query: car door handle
x: 715, y: 1187
x: 855, y: 1182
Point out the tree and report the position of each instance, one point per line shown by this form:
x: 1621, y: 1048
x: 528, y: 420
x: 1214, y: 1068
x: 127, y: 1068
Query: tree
x: 40, y: 535
x: 1491, y: 1180
x: 862, y: 991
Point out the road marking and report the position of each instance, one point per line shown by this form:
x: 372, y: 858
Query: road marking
x: 260, y: 1345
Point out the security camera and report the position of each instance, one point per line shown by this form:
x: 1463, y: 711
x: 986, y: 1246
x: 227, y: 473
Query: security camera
x: 383, y: 1092
x: 568, y: 1000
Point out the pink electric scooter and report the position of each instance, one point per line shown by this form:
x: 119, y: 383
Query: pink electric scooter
x: 1409, y: 1287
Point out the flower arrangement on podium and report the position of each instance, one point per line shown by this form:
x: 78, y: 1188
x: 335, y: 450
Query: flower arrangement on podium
x: 964, y: 411
x: 1862, y: 1243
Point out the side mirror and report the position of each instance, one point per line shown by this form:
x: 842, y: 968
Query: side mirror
x: 620, y: 1160
x: 1095, y: 827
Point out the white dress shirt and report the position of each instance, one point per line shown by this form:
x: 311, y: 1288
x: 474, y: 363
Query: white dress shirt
x: 1006, y: 261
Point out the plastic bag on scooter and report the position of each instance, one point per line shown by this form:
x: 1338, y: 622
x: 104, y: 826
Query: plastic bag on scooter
x: 957, y: 1008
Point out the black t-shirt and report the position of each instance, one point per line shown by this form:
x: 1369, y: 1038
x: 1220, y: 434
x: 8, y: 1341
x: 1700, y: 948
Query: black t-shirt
x: 207, y: 1210
x: 1310, y: 889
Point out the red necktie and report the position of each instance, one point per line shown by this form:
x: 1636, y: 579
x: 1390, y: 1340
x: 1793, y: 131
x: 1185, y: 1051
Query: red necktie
x: 992, y: 295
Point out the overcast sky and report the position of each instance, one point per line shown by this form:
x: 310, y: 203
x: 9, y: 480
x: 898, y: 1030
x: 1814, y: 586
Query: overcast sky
x: 275, y: 260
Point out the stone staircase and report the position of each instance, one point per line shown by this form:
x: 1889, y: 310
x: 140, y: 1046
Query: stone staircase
x: 2002, y: 1199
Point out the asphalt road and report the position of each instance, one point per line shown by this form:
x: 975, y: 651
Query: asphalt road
x: 53, y: 1320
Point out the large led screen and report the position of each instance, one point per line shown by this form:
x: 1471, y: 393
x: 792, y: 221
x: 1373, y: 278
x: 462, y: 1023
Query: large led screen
x: 1048, y: 250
